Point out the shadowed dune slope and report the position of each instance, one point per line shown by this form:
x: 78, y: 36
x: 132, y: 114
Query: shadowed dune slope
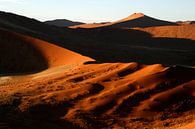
x: 110, y: 95
x: 20, y: 54
x: 62, y: 23
x: 36, y: 29
x: 126, y: 45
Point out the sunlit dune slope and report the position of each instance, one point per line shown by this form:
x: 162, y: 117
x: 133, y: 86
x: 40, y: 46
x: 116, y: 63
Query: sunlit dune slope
x: 110, y: 95
x: 19, y: 53
x: 182, y: 31
x: 134, y: 20
x: 89, y: 25
x: 139, y: 20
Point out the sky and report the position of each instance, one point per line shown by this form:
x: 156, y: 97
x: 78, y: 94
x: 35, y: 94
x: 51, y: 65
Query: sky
x: 100, y: 10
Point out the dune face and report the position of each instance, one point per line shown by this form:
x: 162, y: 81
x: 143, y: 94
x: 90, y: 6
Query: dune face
x: 63, y: 23
x: 20, y: 54
x: 182, y: 31
x: 139, y: 20
x: 115, y: 95
x: 17, y: 56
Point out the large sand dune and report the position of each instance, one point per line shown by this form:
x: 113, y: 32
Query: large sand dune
x: 19, y: 53
x: 134, y: 20
x: 107, y: 44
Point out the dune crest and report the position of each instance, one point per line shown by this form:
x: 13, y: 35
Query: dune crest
x: 134, y: 20
x: 133, y: 16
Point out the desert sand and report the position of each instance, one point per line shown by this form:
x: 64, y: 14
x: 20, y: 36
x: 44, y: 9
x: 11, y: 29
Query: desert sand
x: 182, y: 31
x: 47, y: 86
x: 114, y: 95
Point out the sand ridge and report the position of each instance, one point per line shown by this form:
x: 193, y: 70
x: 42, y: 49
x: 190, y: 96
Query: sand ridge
x: 134, y: 20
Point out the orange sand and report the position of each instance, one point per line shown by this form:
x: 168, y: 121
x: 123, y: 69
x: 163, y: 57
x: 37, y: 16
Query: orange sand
x: 104, y: 95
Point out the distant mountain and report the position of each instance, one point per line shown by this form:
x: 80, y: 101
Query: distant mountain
x: 134, y: 20
x: 63, y: 23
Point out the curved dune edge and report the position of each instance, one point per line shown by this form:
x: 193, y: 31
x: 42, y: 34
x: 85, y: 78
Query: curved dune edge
x: 20, y: 54
x: 118, y: 95
x: 55, y: 55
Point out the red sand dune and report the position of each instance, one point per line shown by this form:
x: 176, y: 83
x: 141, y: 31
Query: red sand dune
x: 19, y: 53
x: 134, y: 20
x: 108, y: 44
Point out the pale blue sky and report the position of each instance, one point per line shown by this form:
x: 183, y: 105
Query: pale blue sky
x: 100, y: 10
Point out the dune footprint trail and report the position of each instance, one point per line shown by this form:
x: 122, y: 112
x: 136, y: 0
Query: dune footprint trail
x: 118, y: 95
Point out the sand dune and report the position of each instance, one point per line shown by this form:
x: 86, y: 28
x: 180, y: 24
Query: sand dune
x: 68, y: 90
x: 20, y: 53
x: 118, y: 95
x: 134, y: 20
x: 111, y: 44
